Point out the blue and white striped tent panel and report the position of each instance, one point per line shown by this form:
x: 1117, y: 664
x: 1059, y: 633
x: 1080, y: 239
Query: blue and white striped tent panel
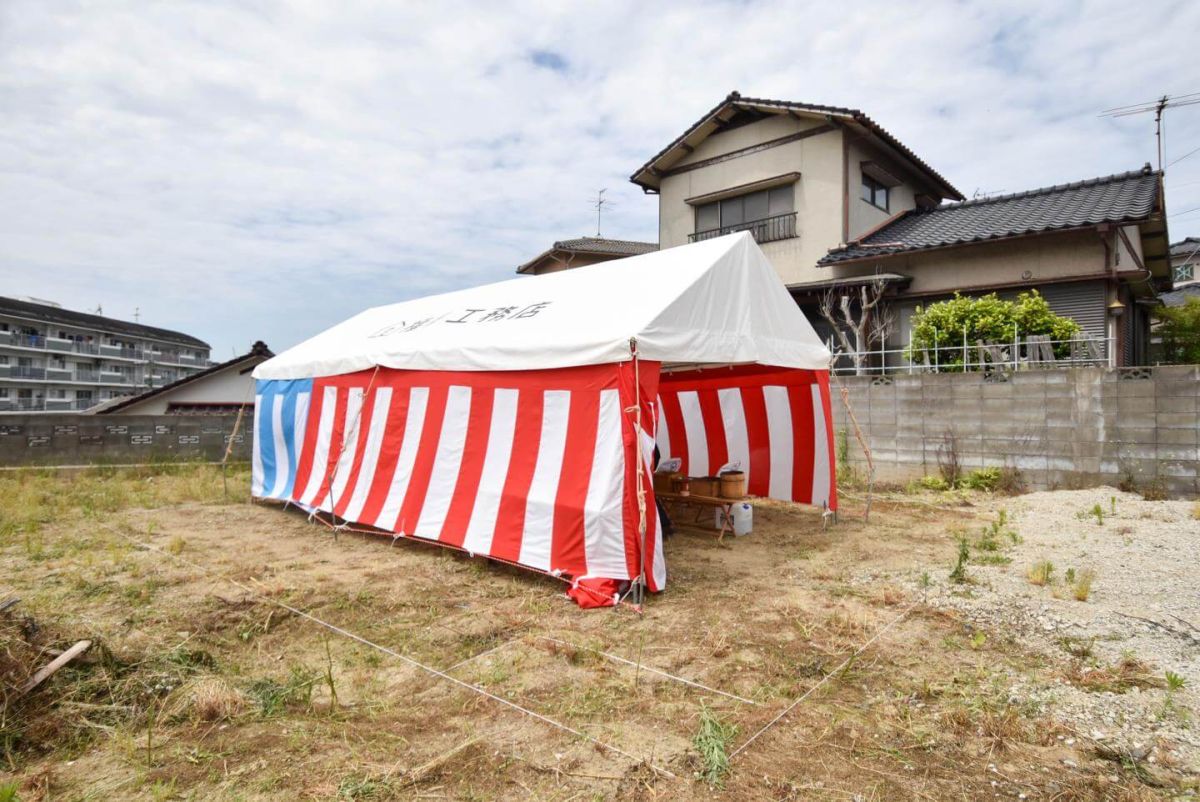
x: 280, y: 418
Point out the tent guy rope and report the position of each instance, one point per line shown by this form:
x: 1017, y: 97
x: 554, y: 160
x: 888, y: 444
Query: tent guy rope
x: 391, y: 652
x: 824, y: 679
x: 644, y: 667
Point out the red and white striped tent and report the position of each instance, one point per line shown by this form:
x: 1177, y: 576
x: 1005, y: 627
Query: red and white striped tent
x: 516, y: 420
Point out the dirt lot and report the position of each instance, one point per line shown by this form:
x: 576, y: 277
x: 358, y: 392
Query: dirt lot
x: 988, y: 686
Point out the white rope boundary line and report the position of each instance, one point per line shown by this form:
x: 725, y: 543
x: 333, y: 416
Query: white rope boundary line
x: 650, y: 669
x: 485, y: 653
x: 824, y: 679
x: 412, y: 662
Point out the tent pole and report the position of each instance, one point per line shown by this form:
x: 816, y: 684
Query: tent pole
x: 641, y: 482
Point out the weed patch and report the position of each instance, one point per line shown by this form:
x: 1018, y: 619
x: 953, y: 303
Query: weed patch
x: 1041, y: 573
x: 712, y: 742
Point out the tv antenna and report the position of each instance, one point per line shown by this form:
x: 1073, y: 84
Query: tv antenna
x: 1158, y: 107
x: 599, y: 205
x: 137, y: 314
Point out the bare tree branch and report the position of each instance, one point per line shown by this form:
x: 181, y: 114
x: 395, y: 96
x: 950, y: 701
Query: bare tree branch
x: 866, y: 328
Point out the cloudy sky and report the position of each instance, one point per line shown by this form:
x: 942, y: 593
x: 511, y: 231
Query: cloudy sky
x: 262, y: 170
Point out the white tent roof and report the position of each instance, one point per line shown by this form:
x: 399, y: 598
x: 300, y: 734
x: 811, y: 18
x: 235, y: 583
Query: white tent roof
x: 717, y: 301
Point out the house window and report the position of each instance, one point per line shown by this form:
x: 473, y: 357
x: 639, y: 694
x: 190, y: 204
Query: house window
x: 874, y: 192
x: 1185, y: 272
x: 768, y: 214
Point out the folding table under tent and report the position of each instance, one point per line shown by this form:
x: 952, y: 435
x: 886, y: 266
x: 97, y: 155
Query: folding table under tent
x: 517, y: 420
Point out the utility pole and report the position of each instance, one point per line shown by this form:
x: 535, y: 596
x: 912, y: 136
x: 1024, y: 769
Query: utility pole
x: 1158, y: 107
x: 1158, y: 113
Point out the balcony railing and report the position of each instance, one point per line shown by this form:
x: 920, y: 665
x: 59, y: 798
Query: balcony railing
x: 23, y: 372
x: 768, y: 229
x: 46, y: 404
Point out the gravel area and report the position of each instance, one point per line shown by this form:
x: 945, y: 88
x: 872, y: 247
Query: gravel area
x: 1144, y: 603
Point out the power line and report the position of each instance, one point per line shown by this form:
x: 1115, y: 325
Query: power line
x: 1158, y: 107
x: 1184, y: 156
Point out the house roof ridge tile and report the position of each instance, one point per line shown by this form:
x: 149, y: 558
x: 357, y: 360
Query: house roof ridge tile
x: 1050, y: 190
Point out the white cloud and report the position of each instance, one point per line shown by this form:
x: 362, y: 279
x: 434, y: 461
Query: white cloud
x: 265, y: 170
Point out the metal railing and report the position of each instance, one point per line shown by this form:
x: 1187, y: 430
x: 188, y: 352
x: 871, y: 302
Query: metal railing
x: 1032, y: 352
x: 47, y: 404
x: 768, y: 229
x: 18, y: 372
x: 69, y: 346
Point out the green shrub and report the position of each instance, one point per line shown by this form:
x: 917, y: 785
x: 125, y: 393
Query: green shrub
x: 932, y: 483
x: 986, y: 318
x: 1180, y: 332
x: 982, y: 479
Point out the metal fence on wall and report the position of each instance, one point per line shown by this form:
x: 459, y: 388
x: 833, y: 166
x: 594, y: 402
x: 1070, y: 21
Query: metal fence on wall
x: 1031, y: 352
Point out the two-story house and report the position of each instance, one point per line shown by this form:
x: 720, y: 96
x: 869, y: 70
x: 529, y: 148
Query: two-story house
x: 835, y: 201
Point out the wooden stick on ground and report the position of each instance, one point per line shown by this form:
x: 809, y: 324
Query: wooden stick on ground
x: 54, y: 665
x: 862, y: 442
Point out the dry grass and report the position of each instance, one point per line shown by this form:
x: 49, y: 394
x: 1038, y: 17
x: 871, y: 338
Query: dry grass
x: 1041, y: 573
x: 1127, y: 673
x: 1081, y: 588
x: 197, y: 689
x: 213, y: 699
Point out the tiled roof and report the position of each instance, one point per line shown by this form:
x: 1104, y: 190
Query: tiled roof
x: 841, y: 112
x: 594, y: 245
x: 1125, y: 197
x: 1185, y: 247
x: 259, y: 352
x: 54, y: 314
x: 623, y: 247
x: 1180, y: 296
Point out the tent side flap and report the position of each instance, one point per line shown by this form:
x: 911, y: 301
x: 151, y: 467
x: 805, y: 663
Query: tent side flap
x: 776, y: 423
x: 536, y: 468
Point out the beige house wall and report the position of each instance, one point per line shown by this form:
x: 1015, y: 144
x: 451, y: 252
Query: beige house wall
x: 1049, y: 257
x: 228, y: 386
x: 818, y: 192
x: 865, y: 216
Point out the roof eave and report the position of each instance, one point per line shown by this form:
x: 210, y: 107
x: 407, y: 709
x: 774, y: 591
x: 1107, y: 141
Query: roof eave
x: 647, y: 175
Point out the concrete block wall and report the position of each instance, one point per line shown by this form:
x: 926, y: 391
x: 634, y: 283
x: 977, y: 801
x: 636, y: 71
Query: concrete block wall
x: 1060, y: 428
x: 51, y: 439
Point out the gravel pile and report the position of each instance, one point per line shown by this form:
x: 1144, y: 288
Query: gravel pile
x: 1144, y: 603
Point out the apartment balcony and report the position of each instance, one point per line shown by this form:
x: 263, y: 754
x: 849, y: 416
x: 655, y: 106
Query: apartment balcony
x: 768, y: 229
x: 20, y: 373
x: 46, y: 404
x: 41, y: 343
x: 120, y: 352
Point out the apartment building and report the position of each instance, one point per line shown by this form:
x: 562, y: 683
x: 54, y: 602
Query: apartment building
x: 58, y: 360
